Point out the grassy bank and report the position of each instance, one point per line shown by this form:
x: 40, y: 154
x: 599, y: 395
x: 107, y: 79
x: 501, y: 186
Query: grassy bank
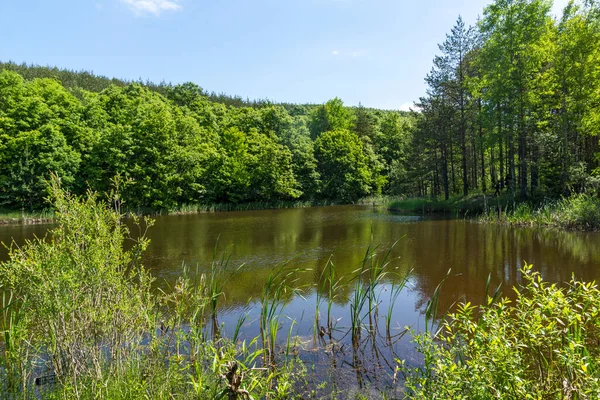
x: 10, y: 217
x: 458, y: 206
x: 21, y: 217
x: 579, y: 212
x: 225, y: 207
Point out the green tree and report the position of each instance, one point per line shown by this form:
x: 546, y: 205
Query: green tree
x: 139, y: 142
x: 515, y: 32
x: 343, y: 165
x: 304, y: 163
x: 330, y: 116
x: 251, y: 167
x: 455, y: 49
x: 28, y: 159
x: 39, y: 124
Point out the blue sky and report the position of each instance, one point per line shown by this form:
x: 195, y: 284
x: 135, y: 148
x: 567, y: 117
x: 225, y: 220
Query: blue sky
x: 376, y: 52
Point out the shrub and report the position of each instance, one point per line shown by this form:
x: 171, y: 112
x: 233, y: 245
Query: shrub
x: 82, y: 299
x: 545, y: 346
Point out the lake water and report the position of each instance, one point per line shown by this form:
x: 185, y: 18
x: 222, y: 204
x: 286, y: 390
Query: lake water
x: 307, y: 238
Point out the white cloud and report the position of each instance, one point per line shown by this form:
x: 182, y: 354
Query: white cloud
x: 155, y: 7
x: 349, y: 53
x: 407, y: 106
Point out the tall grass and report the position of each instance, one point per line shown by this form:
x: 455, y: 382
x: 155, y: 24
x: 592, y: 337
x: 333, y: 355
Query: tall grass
x: 228, y: 207
x: 80, y: 320
x: 471, y: 205
x: 14, y: 374
x: 329, y: 286
x: 23, y: 217
x: 397, y: 286
x: 280, y: 285
x: 367, y: 280
x: 579, y: 212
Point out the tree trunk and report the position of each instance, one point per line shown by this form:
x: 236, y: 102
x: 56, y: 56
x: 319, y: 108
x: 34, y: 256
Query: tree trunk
x: 482, y: 148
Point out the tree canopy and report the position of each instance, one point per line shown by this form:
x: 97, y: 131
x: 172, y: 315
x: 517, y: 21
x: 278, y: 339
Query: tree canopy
x: 176, y: 145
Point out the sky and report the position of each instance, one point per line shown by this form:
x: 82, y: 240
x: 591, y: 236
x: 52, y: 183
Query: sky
x: 373, y: 52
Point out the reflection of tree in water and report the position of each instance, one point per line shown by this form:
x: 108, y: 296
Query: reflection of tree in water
x: 474, y: 251
x: 308, y: 237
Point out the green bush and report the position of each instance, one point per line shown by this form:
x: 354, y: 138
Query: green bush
x: 579, y: 212
x: 545, y: 346
x: 82, y: 298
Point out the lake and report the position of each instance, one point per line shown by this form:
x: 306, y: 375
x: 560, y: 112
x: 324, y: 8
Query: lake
x: 307, y: 238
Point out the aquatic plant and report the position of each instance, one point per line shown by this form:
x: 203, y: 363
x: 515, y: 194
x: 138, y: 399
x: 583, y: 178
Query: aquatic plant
x: 80, y: 320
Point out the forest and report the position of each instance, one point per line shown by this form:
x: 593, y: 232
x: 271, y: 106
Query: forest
x: 176, y: 144
x: 512, y: 106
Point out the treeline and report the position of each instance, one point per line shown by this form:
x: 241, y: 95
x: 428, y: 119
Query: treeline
x: 176, y: 145
x: 513, y: 104
x: 76, y: 80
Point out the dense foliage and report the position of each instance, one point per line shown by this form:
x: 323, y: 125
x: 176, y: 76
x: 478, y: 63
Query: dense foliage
x: 513, y: 104
x: 175, y: 145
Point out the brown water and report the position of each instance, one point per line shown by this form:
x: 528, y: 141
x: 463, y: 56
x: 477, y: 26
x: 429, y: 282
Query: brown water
x: 307, y: 238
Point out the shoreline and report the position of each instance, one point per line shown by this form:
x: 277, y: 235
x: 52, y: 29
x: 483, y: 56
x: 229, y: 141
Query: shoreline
x: 578, y: 213
x: 10, y: 218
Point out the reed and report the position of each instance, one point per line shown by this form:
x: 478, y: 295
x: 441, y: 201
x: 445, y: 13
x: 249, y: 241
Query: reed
x: 279, y: 286
x: 358, y: 300
x: 578, y: 212
x: 396, y: 287
x: 431, y: 310
x: 13, y: 360
x: 329, y: 284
